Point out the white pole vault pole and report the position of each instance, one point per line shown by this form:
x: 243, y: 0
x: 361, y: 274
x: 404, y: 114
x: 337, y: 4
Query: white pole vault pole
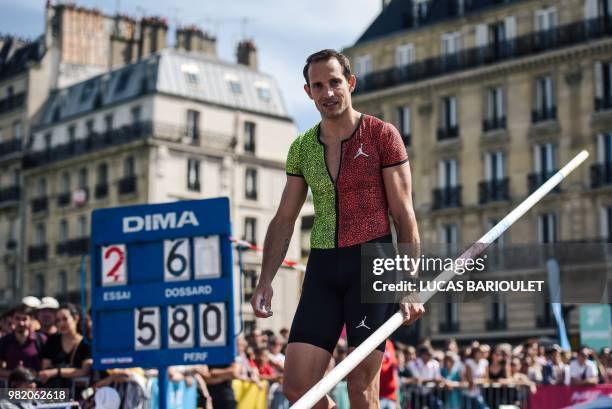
x: 318, y: 391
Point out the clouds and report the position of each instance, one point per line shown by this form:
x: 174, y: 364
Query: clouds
x: 285, y: 32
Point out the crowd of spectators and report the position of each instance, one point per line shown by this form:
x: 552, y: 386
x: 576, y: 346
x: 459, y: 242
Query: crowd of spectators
x: 42, y: 343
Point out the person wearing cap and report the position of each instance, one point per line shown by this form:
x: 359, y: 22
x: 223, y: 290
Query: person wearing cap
x: 22, y: 347
x: 107, y: 398
x: 46, y: 315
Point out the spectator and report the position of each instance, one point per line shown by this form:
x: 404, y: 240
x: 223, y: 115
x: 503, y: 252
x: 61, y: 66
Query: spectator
x: 583, y: 372
x: 6, y: 323
x: 22, y: 347
x: 555, y: 372
x: 498, y: 369
x: 475, y: 374
x: 262, y: 363
x: 388, y: 378
x: 276, y: 357
x: 46, y: 315
x: 219, y: 381
x: 451, y: 373
x: 425, y: 369
x: 534, y: 369
x: 20, y: 378
x: 66, y: 355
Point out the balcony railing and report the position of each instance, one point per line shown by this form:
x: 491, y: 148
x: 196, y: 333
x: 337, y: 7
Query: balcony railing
x: 8, y: 147
x: 601, y: 175
x: 448, y: 133
x: 123, y: 135
x: 447, y: 197
x: 14, y: 102
x: 37, y: 253
x: 9, y: 194
x: 101, y: 190
x: 447, y: 327
x: 544, y: 114
x: 493, y: 191
x: 63, y: 199
x: 493, y: 124
x: 527, y: 45
x: 535, y: 180
x: 127, y: 185
x: 11, y: 244
x: 496, y: 325
x: 40, y: 204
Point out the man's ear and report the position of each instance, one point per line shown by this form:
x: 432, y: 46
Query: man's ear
x: 352, y: 82
x: 307, y: 89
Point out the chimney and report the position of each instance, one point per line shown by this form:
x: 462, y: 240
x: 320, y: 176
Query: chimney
x: 191, y: 38
x: 153, y: 32
x: 246, y: 54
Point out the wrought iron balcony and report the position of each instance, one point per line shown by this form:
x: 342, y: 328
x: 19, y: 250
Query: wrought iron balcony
x: 535, y: 180
x: 446, y: 327
x: 11, y: 146
x: 101, y: 190
x: 40, y: 204
x: 63, y: 199
x: 127, y: 185
x: 11, y: 244
x: 543, y: 114
x: 14, y: 102
x: 496, y: 325
x: 10, y: 194
x: 601, y: 175
x: 493, y: 191
x: 447, y: 197
x: 448, y: 133
x: 493, y: 124
x: 531, y: 44
x: 37, y: 253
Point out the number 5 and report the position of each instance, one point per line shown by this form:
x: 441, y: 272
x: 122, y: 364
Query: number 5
x: 146, y: 328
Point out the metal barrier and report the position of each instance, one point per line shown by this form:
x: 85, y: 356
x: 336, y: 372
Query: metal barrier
x: 438, y: 396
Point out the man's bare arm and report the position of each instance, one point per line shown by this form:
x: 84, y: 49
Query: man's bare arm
x: 277, y: 242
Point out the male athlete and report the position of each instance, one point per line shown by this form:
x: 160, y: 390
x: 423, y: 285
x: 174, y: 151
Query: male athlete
x: 357, y: 168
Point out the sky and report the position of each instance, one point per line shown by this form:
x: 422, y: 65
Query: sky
x: 285, y: 32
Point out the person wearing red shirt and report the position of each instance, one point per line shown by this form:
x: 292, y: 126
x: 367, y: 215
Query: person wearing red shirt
x: 389, y: 378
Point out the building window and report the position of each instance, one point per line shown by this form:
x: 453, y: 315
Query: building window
x: 41, y: 189
x: 545, y: 159
x: 234, y: 84
x: 250, y: 283
x: 404, y: 123
x: 363, y: 65
x: 62, y: 283
x: 421, y: 9
x: 12, y: 232
x: 48, y: 138
x: 495, y: 166
x: 122, y: 82
x: 544, y: 104
x: 546, y: 19
x: 404, y: 55
x: 82, y: 226
x: 17, y: 130
x: 251, y: 184
x: 89, y: 126
x: 65, y: 183
x: 128, y: 167
x: 108, y: 122
x: 193, y: 121
x: 40, y: 236
x: 451, y: 43
x: 102, y: 174
x: 603, y: 85
x: 263, y: 92
x: 449, y: 127
x: 63, y: 231
x: 495, y: 115
x: 447, y: 173
x: 449, y: 239
x: 16, y: 177
x: 71, y: 134
x: 136, y: 115
x: 39, y: 285
x: 82, y: 178
x: 250, y: 230
x: 548, y: 228
x: 193, y: 175
x: 249, y: 137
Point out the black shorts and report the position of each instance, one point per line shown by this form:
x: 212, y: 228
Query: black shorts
x: 331, y: 298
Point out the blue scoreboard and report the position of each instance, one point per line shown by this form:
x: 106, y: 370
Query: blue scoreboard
x: 162, y: 285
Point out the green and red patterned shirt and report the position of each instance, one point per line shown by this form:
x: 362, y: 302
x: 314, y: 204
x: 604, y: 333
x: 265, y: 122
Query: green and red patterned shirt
x: 353, y: 210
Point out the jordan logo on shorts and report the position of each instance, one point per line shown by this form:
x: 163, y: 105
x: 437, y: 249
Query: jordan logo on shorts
x: 361, y: 152
x: 362, y: 323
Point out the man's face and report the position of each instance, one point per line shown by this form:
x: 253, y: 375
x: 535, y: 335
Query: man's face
x: 22, y: 323
x: 329, y: 88
x: 46, y: 317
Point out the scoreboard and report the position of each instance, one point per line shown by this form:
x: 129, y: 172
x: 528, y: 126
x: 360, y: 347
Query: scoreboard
x: 162, y: 285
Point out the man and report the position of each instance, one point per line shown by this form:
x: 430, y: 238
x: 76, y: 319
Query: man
x: 555, y: 372
x: 46, y: 315
x: 583, y: 371
x: 23, y: 346
x: 20, y: 378
x: 426, y: 370
x: 357, y: 168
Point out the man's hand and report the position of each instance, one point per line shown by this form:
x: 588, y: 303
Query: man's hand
x: 411, y: 311
x: 262, y: 300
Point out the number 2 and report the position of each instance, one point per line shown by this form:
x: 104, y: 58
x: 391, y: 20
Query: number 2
x: 114, y: 265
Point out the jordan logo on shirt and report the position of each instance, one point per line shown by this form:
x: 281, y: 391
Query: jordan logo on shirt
x: 361, y: 152
x: 362, y: 323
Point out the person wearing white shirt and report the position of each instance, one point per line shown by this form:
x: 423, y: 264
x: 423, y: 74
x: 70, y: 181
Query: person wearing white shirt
x: 425, y: 369
x: 583, y: 372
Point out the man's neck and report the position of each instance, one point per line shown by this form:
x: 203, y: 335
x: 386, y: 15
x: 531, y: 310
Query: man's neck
x: 22, y: 337
x: 342, y: 126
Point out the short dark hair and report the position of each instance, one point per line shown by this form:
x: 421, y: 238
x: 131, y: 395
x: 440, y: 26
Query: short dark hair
x: 23, y: 309
x: 20, y: 376
x: 325, y: 55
